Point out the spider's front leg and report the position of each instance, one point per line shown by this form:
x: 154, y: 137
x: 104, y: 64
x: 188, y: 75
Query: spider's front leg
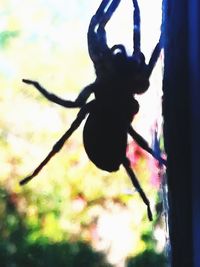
x: 79, y: 102
x: 137, y: 42
x: 136, y: 28
x: 137, y: 54
x: 59, y: 144
x: 97, y: 42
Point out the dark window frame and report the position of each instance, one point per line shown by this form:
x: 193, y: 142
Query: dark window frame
x: 181, y: 111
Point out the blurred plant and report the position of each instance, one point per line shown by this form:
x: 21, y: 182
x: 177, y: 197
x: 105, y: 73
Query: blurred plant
x: 149, y: 257
x: 17, y: 250
x: 6, y: 36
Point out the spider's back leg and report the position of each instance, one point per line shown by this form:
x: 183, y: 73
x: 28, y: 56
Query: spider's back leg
x: 143, y: 144
x: 59, y: 144
x: 154, y: 58
x: 137, y: 186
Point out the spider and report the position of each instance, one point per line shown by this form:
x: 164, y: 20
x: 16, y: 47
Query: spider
x: 119, y: 78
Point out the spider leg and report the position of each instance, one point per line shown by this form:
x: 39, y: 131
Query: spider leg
x: 101, y: 10
x: 136, y: 184
x: 137, y: 54
x: 59, y: 144
x: 143, y: 143
x: 79, y: 102
x: 104, y: 13
x: 97, y: 41
x: 154, y: 58
x: 108, y: 11
x: 136, y: 28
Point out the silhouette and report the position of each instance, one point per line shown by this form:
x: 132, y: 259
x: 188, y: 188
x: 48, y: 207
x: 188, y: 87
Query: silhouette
x: 118, y: 78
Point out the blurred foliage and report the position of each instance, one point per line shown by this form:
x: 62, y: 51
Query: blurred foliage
x: 71, y: 212
x: 149, y: 257
x: 17, y: 249
x: 6, y: 36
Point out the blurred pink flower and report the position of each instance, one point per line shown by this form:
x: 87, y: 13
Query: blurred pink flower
x: 135, y: 154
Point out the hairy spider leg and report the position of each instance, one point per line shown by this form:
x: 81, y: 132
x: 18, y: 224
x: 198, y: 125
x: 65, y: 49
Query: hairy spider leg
x: 102, y: 9
x: 137, y: 186
x: 108, y: 12
x: 59, y: 144
x: 97, y: 41
x: 143, y: 144
x: 136, y: 28
x: 154, y: 58
x: 79, y: 102
x: 137, y: 54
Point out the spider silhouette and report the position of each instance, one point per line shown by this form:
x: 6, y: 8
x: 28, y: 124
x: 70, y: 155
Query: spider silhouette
x: 118, y: 78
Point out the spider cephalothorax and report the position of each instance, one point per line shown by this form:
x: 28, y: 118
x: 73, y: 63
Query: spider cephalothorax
x: 118, y: 78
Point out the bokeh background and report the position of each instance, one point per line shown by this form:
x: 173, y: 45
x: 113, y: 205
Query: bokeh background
x: 72, y: 214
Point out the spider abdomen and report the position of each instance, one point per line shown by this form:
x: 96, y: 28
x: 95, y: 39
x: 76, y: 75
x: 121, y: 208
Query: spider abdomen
x: 105, y: 141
